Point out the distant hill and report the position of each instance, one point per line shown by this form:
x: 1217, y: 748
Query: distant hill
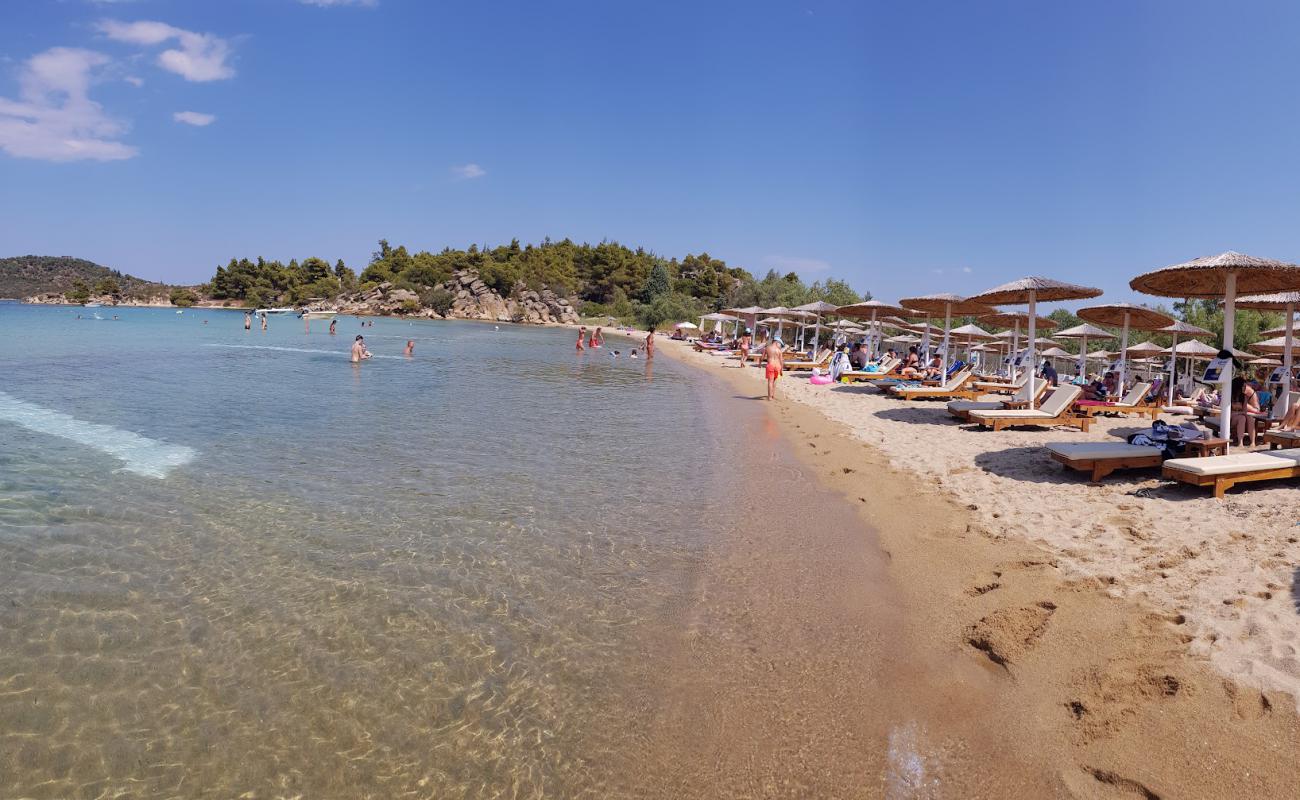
x: 23, y: 276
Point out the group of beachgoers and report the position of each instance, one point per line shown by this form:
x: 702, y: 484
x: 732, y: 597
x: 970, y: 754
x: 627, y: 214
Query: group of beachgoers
x: 596, y: 340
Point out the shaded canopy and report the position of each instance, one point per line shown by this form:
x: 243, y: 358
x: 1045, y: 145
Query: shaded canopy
x: 1140, y: 318
x: 945, y: 304
x: 971, y: 331
x: 1056, y: 352
x: 1008, y: 319
x: 864, y: 310
x: 819, y: 307
x: 1042, y: 289
x: 1185, y: 329
x: 1276, y: 345
x: 1145, y: 349
x: 1269, y: 302
x: 1080, y: 331
x: 1206, y: 276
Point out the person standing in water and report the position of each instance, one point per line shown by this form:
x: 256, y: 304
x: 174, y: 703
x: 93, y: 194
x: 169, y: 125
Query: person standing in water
x: 582, y: 334
x: 775, y: 366
x: 650, y: 344
x: 248, y: 321
x: 598, y: 338
x: 359, y: 351
x: 333, y: 323
x: 263, y: 323
x: 410, y: 348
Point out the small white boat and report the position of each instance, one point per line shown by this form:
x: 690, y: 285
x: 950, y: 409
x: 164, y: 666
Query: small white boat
x: 319, y: 314
x: 93, y: 305
x: 273, y: 311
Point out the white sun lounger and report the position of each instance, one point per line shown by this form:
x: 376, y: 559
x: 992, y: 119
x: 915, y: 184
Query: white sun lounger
x: 1132, y: 403
x: 961, y: 409
x: 1054, y: 411
x: 953, y: 387
x: 1224, y: 472
x: 1103, y: 458
x: 1003, y: 387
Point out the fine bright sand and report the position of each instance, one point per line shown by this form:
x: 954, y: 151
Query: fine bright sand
x: 1142, y: 635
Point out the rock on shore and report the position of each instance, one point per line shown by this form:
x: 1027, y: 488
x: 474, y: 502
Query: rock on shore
x: 471, y: 299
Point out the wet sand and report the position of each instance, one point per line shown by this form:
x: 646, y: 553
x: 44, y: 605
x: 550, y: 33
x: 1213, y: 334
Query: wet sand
x: 1006, y: 674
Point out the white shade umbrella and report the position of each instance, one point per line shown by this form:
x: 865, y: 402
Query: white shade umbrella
x: 949, y: 304
x: 1082, y: 333
x: 1126, y: 316
x: 1285, y: 302
x: 1175, y: 330
x: 1221, y: 276
x: 876, y: 313
x: 687, y: 326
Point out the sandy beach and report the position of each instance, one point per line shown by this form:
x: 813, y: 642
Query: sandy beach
x: 1143, y: 636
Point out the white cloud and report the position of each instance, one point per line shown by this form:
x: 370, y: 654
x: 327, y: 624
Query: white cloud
x: 967, y: 270
x: 200, y: 56
x: 467, y: 172
x: 795, y: 264
x: 195, y: 118
x: 134, y: 80
x: 54, y: 118
x: 333, y: 3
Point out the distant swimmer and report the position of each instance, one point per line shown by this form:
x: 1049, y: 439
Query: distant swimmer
x: 248, y: 321
x: 410, y: 348
x: 359, y: 351
x: 775, y: 366
x: 650, y: 344
x: 263, y: 323
x: 582, y: 333
x: 634, y: 353
x: 600, y: 338
x: 333, y: 324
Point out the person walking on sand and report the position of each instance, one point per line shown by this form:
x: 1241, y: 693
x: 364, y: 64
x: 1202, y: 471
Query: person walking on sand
x: 582, y: 334
x: 248, y: 321
x: 359, y: 351
x: 650, y: 344
x: 410, y: 348
x: 333, y: 323
x: 775, y: 366
x: 746, y: 340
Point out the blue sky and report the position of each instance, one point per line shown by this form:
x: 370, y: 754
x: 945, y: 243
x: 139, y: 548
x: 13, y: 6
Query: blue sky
x: 906, y: 147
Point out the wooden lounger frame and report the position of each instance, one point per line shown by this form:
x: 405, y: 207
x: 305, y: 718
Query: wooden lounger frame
x: 1223, y: 483
x: 1140, y: 409
x: 1276, y: 439
x: 1101, y: 467
x: 963, y: 391
x: 1064, y: 418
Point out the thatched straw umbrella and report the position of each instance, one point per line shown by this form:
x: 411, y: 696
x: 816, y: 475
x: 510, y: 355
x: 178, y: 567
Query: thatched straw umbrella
x: 971, y: 332
x: 749, y: 314
x: 949, y: 304
x: 1285, y: 302
x: 870, y: 310
x: 1221, y: 276
x: 1015, y: 319
x: 1126, y: 316
x: 1082, y: 333
x: 1179, y: 328
x: 818, y: 309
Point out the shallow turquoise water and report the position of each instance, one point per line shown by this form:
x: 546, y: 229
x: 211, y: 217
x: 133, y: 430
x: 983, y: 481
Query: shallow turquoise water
x: 231, y: 561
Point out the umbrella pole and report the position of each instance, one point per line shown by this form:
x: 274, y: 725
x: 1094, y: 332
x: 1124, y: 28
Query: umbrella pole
x: 1286, y: 363
x: 1015, y: 351
x: 1225, y: 380
x: 1032, y: 385
x: 1123, y: 358
x: 1173, y: 367
x: 872, y: 337
x: 947, y: 323
x: 1083, y: 358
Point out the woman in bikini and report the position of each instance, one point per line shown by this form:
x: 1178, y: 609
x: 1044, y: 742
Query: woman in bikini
x: 582, y: 334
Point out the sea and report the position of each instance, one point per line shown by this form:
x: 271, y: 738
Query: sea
x: 234, y: 564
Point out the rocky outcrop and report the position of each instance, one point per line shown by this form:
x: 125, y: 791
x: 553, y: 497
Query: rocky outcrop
x: 471, y: 298
x: 474, y: 300
x: 541, y: 307
x: 60, y: 299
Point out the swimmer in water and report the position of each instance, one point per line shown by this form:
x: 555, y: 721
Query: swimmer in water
x: 650, y: 344
x: 333, y: 323
x: 410, y: 348
x: 633, y: 353
x: 359, y: 351
x: 248, y: 321
x: 263, y: 323
x: 598, y: 338
x: 582, y: 333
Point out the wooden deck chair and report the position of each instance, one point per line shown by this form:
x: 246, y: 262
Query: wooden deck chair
x: 1003, y: 387
x: 1103, y: 458
x: 961, y: 408
x: 1224, y: 472
x: 1132, y: 403
x: 1054, y: 411
x: 956, y: 386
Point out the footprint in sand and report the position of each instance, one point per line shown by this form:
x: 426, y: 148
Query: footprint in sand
x: 1009, y: 633
x: 1102, y: 784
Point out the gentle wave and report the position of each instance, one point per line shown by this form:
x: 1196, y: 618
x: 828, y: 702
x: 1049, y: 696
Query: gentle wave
x: 343, y: 353
x: 141, y: 455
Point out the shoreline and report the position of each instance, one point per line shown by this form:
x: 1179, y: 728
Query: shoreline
x: 1092, y: 670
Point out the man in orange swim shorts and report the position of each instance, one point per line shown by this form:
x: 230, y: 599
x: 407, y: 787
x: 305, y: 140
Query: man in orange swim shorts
x: 775, y: 365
